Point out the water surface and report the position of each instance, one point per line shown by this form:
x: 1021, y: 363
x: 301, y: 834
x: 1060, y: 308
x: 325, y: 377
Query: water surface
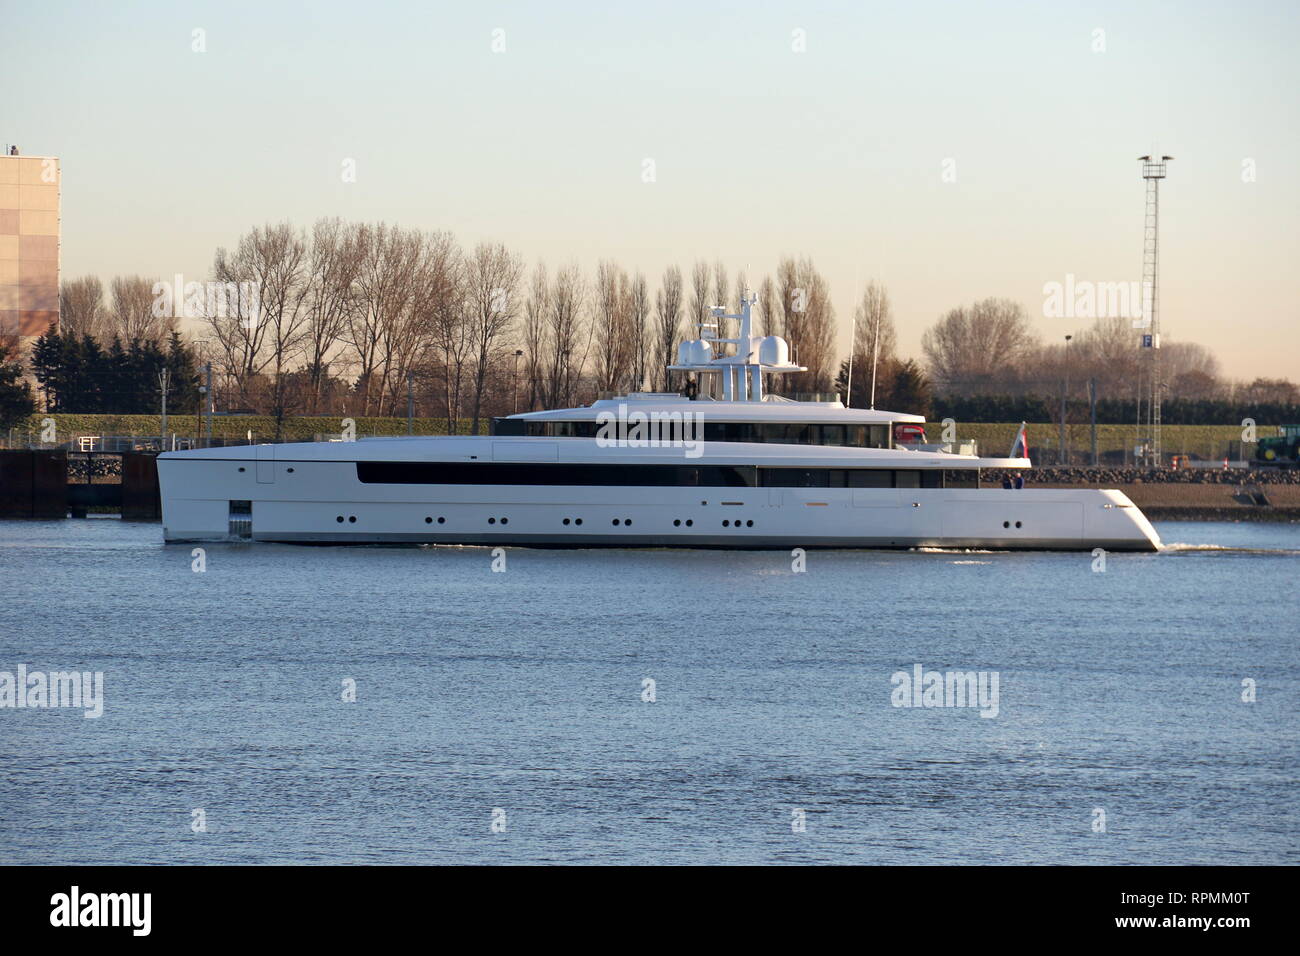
x: 523, y: 691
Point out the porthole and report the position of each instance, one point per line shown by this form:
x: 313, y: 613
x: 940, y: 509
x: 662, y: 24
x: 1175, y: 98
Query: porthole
x: 289, y: 470
x: 1017, y: 524
x: 442, y: 520
x: 749, y: 524
x: 577, y: 521
x: 492, y: 520
x: 615, y: 521
x: 677, y: 522
x: 689, y: 522
x: 505, y: 520
x: 627, y: 522
x: 1006, y: 524
x: 241, y: 468
x: 726, y: 524
x: 339, y: 519
x: 566, y: 520
x: 352, y: 519
x: 428, y: 520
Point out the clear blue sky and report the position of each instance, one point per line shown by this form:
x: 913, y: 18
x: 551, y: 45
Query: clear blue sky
x: 835, y: 152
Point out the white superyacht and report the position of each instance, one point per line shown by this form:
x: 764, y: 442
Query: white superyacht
x: 727, y: 467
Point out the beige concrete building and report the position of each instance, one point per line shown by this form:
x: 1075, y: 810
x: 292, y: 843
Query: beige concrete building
x: 29, y: 248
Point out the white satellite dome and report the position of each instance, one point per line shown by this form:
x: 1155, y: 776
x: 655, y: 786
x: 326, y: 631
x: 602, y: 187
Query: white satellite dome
x: 694, y: 352
x: 773, y: 350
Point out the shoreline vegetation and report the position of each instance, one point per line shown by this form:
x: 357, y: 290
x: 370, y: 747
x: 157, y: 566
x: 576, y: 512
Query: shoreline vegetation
x: 1114, y: 442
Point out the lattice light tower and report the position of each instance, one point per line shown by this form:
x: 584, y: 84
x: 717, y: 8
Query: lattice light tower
x: 1149, y: 384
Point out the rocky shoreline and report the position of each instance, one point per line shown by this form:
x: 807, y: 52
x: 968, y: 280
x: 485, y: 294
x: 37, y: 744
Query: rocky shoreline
x: 1184, y: 495
x: 1085, y: 476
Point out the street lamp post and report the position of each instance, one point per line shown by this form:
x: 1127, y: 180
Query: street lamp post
x: 206, y: 391
x: 1092, y: 414
x: 1065, y: 391
x: 410, y: 403
x: 518, y: 354
x: 164, y: 380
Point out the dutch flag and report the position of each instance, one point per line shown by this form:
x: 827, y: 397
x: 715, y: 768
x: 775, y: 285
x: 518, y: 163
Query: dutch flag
x: 1020, y: 447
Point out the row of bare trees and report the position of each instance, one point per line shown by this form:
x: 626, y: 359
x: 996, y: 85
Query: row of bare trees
x: 991, y: 347
x: 393, y: 309
x: 128, y: 313
x: 353, y: 318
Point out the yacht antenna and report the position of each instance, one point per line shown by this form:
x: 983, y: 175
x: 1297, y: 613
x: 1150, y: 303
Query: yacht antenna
x: 875, y: 353
x: 848, y: 392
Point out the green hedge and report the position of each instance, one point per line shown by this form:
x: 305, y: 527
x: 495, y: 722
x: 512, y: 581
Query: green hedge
x: 1206, y: 441
x: 229, y: 426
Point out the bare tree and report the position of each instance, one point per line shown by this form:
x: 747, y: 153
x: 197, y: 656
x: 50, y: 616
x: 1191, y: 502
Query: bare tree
x: 333, y: 268
x: 668, y: 312
x: 136, y: 312
x: 874, y: 344
x: 273, y: 260
x: 808, y: 323
x: 492, y: 277
x: 568, y: 294
x: 411, y: 333
x: 977, y: 347
x: 638, y: 316
x: 282, y: 254
x: 389, y: 260
x: 1279, y: 391
x: 238, y: 324
x: 81, y: 309
x: 536, y: 327
x: 792, y: 301
x: 769, y: 314
x: 451, y: 319
x: 817, y: 350
x: 1179, y: 359
x: 722, y: 297
x: 614, y: 343
x: 700, y: 295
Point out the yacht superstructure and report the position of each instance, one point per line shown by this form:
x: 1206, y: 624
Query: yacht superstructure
x: 744, y: 469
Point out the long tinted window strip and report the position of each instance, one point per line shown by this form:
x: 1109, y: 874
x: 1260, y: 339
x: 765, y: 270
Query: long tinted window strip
x: 849, y: 478
x: 509, y: 426
x: 509, y: 473
x: 856, y: 436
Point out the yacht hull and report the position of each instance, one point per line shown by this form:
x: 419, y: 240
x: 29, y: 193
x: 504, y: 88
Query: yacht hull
x: 322, y: 502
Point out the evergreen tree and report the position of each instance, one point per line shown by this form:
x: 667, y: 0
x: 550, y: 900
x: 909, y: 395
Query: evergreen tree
x: 140, y: 396
x: 909, y: 389
x: 183, y: 396
x: 115, y: 384
x: 48, y: 367
x: 16, y: 402
x: 90, y: 376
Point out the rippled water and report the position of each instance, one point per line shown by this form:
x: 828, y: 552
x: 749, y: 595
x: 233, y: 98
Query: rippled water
x: 1119, y: 691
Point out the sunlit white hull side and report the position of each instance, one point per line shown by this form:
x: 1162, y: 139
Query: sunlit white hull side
x: 311, y: 493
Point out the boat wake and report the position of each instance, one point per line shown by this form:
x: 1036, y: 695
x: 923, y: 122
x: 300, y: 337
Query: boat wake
x: 1178, y: 547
